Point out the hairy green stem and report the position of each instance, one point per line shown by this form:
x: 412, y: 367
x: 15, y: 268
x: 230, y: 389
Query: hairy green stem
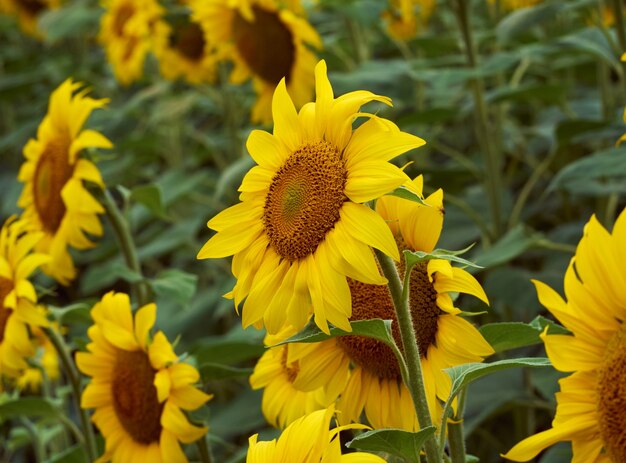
x: 455, y: 432
x: 400, y: 297
x: 127, y: 245
x: 204, y: 450
x: 490, y: 155
x: 74, y: 378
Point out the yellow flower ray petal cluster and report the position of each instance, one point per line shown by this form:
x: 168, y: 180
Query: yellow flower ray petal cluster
x: 126, y: 32
x: 278, y: 373
x: 265, y: 42
x: 307, y: 440
x: 31, y: 378
x: 18, y: 299
x: 138, y: 388
x: 402, y: 20
x: 54, y: 197
x: 27, y: 13
x: 375, y: 385
x: 301, y: 228
x: 184, y: 48
x: 590, y: 411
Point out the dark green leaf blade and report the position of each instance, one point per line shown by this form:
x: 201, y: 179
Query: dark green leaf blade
x: 403, y: 444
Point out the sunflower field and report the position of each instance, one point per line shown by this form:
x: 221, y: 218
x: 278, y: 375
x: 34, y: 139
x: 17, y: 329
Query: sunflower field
x: 312, y: 231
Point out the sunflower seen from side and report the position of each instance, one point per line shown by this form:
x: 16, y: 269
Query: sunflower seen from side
x: 138, y: 387
x: 301, y: 228
x: 126, y: 32
x: 54, y: 197
x: 307, y: 440
x: 591, y: 404
x: 18, y: 299
x: 28, y: 12
x: 404, y: 19
x: 278, y: 373
x: 445, y: 339
x: 266, y: 42
x: 182, y: 48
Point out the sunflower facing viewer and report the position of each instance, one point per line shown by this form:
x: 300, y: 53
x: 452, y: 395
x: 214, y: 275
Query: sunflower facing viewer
x: 54, y: 197
x: 138, y: 387
x: 590, y: 405
x: 301, y: 227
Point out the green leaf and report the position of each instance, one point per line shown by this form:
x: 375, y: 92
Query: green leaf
x: 29, y: 406
x: 598, y: 175
x: 375, y: 328
x: 402, y: 444
x: 72, y: 314
x: 510, y: 335
x: 414, y: 257
x: 405, y: 193
x: 214, y: 371
x: 515, y: 242
x: 462, y: 375
x: 521, y: 20
x: 540, y: 324
x: 151, y: 197
x: 592, y: 41
x: 175, y: 284
x: 75, y: 454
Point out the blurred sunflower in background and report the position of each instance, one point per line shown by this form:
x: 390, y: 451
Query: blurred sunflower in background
x: 301, y: 229
x: 27, y: 12
x: 509, y: 5
x: 54, y: 197
x: 126, y: 32
x: 138, y: 387
x: 266, y: 43
x: 278, y: 373
x: 404, y: 19
x: 183, y: 49
x: 18, y: 299
x: 445, y: 339
x: 591, y: 403
x: 307, y: 440
x: 45, y: 357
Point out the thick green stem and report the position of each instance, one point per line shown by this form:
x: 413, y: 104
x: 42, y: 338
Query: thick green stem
x: 455, y: 433
x: 74, y: 378
x: 490, y: 155
x: 204, y: 450
x: 400, y: 297
x: 127, y: 245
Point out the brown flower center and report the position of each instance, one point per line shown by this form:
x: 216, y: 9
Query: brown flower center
x: 123, y: 14
x: 611, y: 395
x: 291, y: 369
x: 32, y: 7
x: 135, y: 396
x: 51, y: 174
x: 266, y: 45
x: 304, y: 200
x: 374, y: 301
x: 6, y: 286
x: 188, y: 39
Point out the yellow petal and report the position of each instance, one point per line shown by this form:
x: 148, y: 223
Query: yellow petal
x: 170, y: 448
x: 188, y: 397
x: 230, y: 241
x: 371, y: 180
x: 160, y: 351
x: 163, y: 384
x: 183, y: 374
x: 461, y: 282
x: 266, y: 150
x: 368, y: 227
x: 175, y: 421
x: 286, y: 125
x: 144, y: 321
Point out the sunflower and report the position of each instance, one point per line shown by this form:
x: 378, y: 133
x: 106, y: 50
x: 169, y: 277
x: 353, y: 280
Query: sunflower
x: 278, y: 373
x: 590, y: 405
x: 300, y: 228
x: 516, y: 4
x: 402, y: 20
x: 307, y: 440
x: 46, y: 355
x: 182, y: 47
x: 445, y: 339
x: 18, y: 298
x: 28, y: 12
x: 126, y: 31
x: 138, y: 386
x: 54, y: 197
x: 266, y: 42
